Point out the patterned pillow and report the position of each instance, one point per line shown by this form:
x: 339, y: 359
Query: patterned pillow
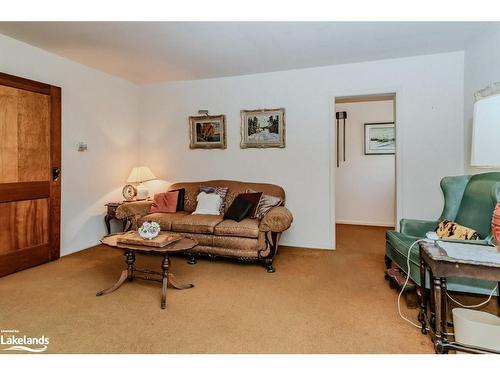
x: 221, y: 191
x: 265, y: 204
x: 450, y: 229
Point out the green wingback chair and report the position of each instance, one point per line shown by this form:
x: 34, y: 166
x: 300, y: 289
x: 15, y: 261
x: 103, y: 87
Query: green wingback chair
x: 469, y: 201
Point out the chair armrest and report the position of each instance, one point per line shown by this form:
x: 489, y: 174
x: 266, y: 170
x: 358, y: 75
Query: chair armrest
x: 417, y: 228
x: 133, y: 209
x: 278, y: 219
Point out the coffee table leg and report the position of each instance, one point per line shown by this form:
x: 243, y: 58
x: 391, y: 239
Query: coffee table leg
x: 118, y: 284
x: 130, y: 260
x: 172, y: 282
x: 164, y: 281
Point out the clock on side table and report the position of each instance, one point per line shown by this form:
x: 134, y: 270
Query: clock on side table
x: 111, y: 208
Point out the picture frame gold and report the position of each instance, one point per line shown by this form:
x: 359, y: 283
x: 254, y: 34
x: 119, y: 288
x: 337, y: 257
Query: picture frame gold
x: 207, y: 132
x: 263, y: 128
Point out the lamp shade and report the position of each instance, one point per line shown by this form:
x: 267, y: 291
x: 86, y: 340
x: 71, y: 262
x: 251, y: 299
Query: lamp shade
x: 485, y: 151
x: 141, y: 174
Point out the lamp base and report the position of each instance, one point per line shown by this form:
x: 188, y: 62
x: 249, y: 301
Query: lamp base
x: 142, y: 192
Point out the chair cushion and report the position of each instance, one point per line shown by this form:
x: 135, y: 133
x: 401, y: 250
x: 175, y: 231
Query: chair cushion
x: 401, y: 243
x: 165, y: 220
x: 245, y: 228
x: 196, y: 223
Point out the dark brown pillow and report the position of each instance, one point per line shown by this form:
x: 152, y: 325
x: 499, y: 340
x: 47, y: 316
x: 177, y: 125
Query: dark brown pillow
x: 180, y: 198
x: 239, y: 209
x: 255, y: 199
x: 265, y: 204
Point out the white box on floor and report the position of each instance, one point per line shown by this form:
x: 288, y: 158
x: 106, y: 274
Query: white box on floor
x: 477, y: 328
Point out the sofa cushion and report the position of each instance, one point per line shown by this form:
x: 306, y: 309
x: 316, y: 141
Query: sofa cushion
x: 245, y: 228
x: 196, y: 223
x: 165, y: 220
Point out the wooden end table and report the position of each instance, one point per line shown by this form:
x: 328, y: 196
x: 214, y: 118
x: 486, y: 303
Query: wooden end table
x: 166, y: 278
x: 439, y: 265
x: 111, y: 208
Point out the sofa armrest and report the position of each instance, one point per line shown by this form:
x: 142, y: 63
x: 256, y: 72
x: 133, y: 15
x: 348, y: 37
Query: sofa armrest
x: 133, y: 209
x: 278, y: 219
x: 417, y: 228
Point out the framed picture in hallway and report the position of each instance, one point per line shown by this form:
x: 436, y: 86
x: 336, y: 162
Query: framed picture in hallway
x: 207, y: 131
x: 263, y: 128
x: 380, y: 138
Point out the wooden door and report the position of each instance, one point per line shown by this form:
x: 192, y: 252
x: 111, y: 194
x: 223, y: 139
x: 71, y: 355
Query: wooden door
x: 30, y: 162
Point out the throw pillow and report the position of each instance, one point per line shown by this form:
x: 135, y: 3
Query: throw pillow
x: 180, y: 199
x: 208, y: 204
x: 165, y: 202
x: 255, y: 199
x: 450, y: 229
x: 265, y: 204
x: 221, y: 191
x: 239, y: 209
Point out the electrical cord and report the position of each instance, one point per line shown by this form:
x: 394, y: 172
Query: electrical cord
x: 406, y: 283
x: 474, y: 306
x: 450, y: 297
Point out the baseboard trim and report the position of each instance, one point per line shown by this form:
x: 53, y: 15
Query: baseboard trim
x: 367, y: 223
x: 312, y: 246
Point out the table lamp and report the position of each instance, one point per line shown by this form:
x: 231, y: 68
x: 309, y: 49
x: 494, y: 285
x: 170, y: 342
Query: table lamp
x: 140, y: 175
x: 485, y: 151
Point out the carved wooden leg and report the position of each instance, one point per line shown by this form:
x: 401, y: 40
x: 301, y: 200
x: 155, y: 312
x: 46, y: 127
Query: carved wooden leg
x: 127, y: 224
x: 164, y: 281
x: 118, y: 284
x: 444, y: 314
x: 192, y: 259
x: 423, y: 299
x: 107, y: 221
x: 269, y: 266
x: 130, y: 260
x: 172, y: 282
x: 388, y: 262
x: 498, y: 295
x: 438, y: 342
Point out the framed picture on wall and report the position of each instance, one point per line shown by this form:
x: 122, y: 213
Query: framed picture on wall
x: 380, y: 138
x: 263, y: 128
x: 207, y: 131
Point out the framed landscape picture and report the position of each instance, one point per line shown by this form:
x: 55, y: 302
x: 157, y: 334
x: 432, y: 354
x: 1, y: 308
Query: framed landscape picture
x: 263, y: 128
x: 380, y: 138
x: 207, y: 131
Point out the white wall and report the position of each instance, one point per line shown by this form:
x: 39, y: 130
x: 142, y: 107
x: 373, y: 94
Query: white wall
x: 482, y: 67
x: 430, y: 133
x: 364, y: 184
x: 97, y: 108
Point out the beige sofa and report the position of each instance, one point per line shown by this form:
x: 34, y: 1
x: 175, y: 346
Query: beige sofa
x: 247, y: 240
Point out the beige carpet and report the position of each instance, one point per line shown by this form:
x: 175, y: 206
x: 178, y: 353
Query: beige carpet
x: 317, y: 302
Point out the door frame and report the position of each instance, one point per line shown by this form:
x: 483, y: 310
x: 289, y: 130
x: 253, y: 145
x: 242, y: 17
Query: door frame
x: 54, y: 188
x: 397, y: 92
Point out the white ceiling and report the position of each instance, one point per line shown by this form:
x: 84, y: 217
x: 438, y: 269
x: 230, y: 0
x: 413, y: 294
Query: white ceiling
x: 148, y: 52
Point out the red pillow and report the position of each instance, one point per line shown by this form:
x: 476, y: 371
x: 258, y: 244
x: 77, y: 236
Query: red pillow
x: 164, y: 202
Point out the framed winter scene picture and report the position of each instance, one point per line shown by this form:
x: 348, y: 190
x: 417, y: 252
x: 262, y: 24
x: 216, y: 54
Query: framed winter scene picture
x: 380, y: 138
x: 263, y: 128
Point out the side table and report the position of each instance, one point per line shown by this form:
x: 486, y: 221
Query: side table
x: 439, y: 265
x: 111, y: 208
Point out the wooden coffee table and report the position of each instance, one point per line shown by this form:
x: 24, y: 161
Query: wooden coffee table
x: 166, y: 278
